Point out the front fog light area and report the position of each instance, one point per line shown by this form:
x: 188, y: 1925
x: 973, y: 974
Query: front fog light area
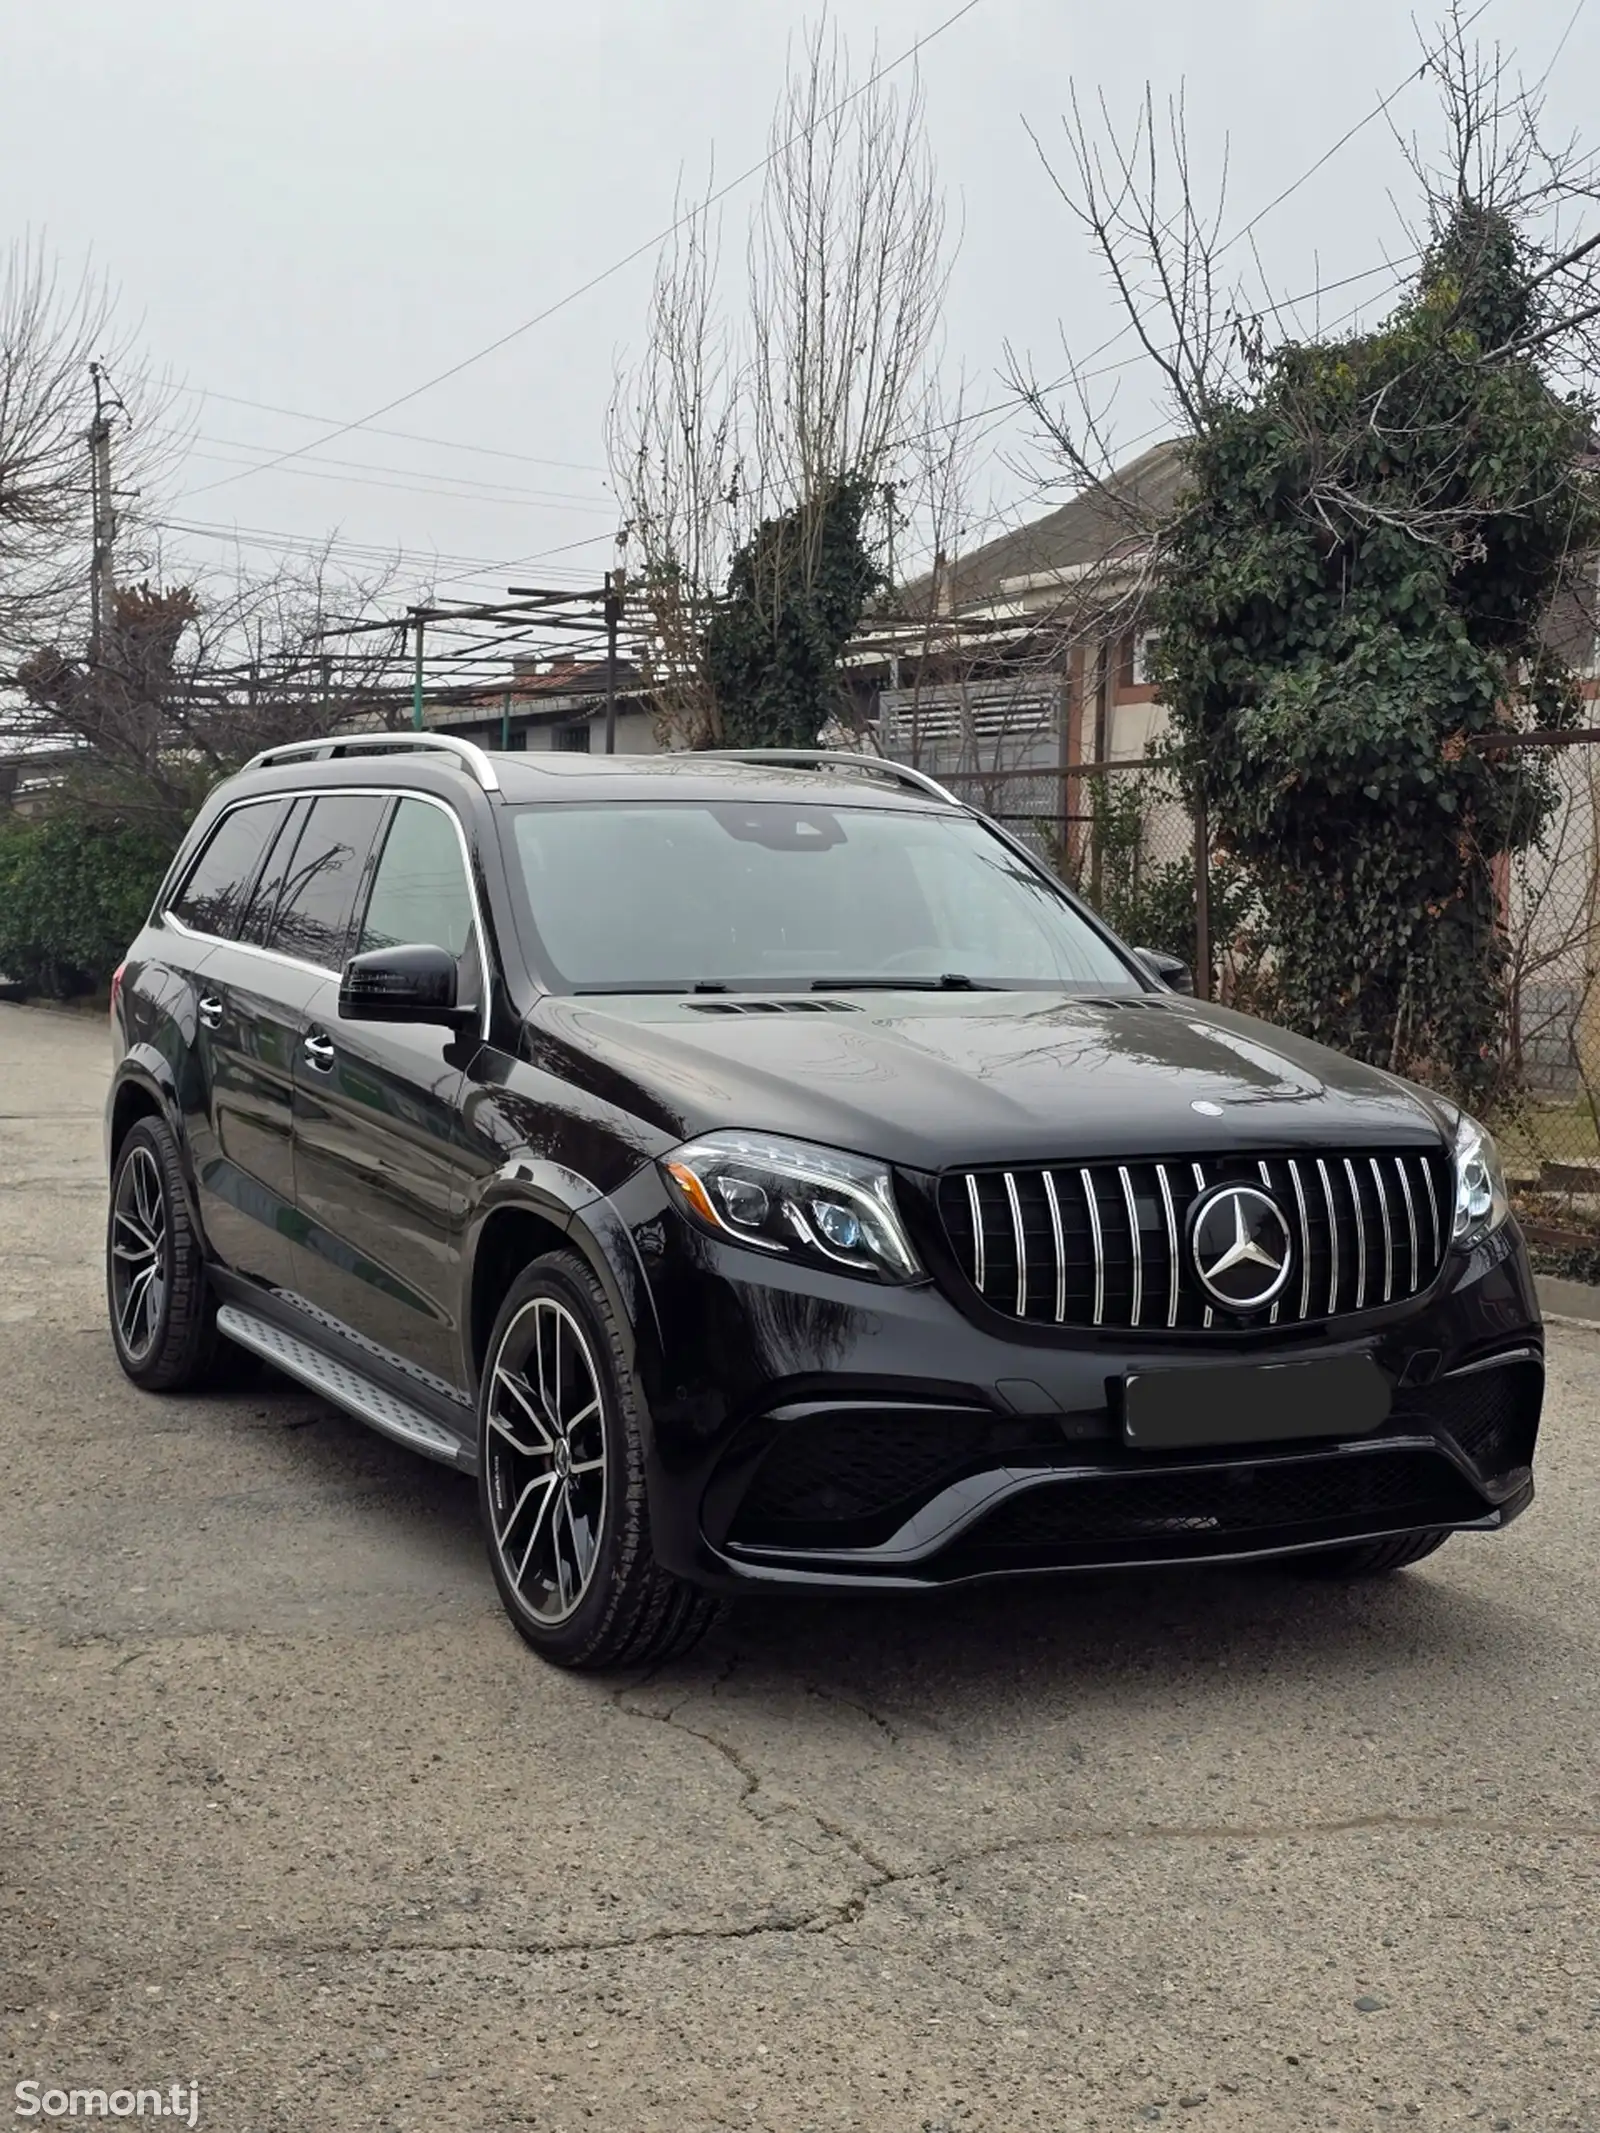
x: 818, y: 1205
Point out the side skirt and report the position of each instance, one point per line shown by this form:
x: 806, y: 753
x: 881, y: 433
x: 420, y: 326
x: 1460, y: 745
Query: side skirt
x: 346, y: 1386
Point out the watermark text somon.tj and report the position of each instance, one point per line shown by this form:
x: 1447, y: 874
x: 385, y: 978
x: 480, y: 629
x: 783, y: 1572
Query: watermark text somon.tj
x: 175, y: 2100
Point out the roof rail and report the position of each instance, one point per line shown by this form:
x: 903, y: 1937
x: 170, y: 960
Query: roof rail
x: 467, y: 753
x: 839, y: 759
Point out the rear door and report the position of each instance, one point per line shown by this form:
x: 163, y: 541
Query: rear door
x: 378, y: 1133
x: 242, y: 1168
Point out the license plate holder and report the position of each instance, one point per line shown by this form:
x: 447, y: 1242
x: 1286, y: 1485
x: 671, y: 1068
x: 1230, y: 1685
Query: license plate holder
x: 1254, y: 1403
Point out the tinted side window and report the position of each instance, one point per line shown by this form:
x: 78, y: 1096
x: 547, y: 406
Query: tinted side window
x: 324, y: 876
x: 257, y: 920
x: 213, y: 897
x: 419, y: 892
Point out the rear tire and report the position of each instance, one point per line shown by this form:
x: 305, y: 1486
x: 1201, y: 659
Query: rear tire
x: 1372, y: 1559
x: 561, y: 1481
x: 163, y: 1315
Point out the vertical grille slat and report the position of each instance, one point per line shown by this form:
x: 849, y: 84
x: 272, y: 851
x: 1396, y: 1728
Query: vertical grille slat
x: 1105, y: 1244
x: 1138, y: 1250
x: 1433, y: 1202
x: 1266, y: 1179
x: 1305, y: 1238
x: 1059, y: 1242
x: 1022, y: 1245
x: 1360, y: 1221
x: 1087, y: 1178
x: 980, y: 1258
x: 1388, y: 1231
x: 1165, y: 1184
x: 1413, y: 1264
x: 1208, y: 1316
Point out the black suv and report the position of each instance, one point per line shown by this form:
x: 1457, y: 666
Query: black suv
x: 763, y: 1172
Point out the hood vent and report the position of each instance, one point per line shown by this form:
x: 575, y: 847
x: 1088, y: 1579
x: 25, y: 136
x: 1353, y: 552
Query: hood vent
x: 774, y: 1007
x: 1143, y: 1003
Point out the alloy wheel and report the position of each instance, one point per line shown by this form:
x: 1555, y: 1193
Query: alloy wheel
x: 139, y: 1255
x: 545, y: 1450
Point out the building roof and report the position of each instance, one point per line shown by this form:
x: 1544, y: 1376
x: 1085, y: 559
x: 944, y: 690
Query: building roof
x: 1095, y: 526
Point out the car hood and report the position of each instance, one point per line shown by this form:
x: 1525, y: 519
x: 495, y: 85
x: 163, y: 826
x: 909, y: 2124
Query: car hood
x: 932, y: 1080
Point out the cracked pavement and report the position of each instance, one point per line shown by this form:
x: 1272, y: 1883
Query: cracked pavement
x: 285, y: 1806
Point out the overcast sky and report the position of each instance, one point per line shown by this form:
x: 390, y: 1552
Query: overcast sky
x: 319, y: 204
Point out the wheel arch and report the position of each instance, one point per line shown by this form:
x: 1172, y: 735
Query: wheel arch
x: 519, y: 1222
x: 144, y: 1088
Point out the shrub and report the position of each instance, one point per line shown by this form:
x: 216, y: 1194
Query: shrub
x: 73, y: 892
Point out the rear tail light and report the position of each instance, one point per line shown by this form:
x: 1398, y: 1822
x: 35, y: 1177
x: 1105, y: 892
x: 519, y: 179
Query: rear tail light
x: 116, y: 989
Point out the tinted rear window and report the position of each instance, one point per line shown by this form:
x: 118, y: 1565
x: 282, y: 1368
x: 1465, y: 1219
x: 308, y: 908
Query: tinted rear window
x: 213, y: 897
x: 324, y: 877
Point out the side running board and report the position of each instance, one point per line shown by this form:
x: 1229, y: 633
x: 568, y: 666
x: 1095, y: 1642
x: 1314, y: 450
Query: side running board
x: 350, y: 1389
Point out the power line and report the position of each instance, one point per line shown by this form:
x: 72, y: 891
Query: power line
x: 513, y: 499
x: 650, y: 244
x: 444, y: 444
x: 358, y: 467
x: 309, y: 544
x: 1360, y: 126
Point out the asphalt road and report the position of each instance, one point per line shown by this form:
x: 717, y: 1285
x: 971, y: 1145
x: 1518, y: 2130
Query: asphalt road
x: 285, y: 1807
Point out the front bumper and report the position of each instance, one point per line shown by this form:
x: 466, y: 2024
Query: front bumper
x: 812, y: 1430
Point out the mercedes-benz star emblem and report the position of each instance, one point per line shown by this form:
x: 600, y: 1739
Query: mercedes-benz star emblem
x: 1239, y: 1242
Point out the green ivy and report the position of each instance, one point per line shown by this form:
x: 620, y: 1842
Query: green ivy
x: 796, y: 592
x: 74, y: 891
x: 1351, y: 597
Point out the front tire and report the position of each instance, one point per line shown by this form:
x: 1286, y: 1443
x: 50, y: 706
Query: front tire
x: 163, y: 1315
x: 561, y: 1481
x: 1372, y: 1559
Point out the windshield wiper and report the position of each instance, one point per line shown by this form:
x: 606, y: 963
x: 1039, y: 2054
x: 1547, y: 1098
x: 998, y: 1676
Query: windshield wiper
x: 948, y: 981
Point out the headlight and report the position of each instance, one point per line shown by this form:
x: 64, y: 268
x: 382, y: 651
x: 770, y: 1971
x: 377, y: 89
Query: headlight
x: 808, y: 1203
x: 1481, y: 1202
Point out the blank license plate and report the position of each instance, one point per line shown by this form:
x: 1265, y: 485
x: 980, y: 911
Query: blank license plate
x: 1254, y: 1403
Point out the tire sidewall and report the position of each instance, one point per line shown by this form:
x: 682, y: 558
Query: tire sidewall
x: 150, y: 1135
x: 562, y: 1277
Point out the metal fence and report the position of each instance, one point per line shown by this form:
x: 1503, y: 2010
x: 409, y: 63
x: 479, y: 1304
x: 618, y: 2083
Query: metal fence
x: 1120, y: 833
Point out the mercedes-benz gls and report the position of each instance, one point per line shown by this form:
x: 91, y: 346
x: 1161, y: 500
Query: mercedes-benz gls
x: 765, y: 1173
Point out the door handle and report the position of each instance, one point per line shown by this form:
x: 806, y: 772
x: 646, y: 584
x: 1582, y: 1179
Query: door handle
x: 211, y: 1011
x: 319, y: 1051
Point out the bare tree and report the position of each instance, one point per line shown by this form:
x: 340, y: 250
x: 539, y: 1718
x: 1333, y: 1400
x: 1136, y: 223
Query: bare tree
x: 192, y: 678
x: 672, y: 440
x: 847, y: 274
x: 723, y: 428
x: 51, y: 330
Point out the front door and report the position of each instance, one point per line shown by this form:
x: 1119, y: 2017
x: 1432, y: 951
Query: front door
x: 379, y: 1159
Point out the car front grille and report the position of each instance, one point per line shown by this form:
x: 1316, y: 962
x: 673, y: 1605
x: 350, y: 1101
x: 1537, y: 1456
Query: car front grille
x: 1105, y: 1244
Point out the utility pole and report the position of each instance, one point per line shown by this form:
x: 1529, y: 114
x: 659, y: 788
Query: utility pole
x: 613, y: 617
x: 102, y: 562
x: 416, y: 677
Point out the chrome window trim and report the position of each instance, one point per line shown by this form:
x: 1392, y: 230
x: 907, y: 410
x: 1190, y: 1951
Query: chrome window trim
x: 346, y: 792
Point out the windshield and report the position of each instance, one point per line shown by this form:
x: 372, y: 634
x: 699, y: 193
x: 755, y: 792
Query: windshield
x: 773, y: 894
